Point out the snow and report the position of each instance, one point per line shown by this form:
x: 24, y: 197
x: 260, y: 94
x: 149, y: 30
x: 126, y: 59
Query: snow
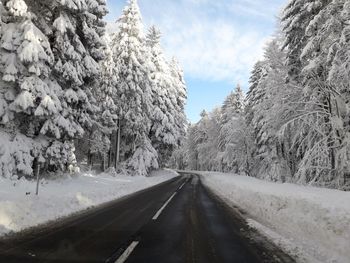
x: 17, y: 7
x: 310, y: 223
x: 15, y: 154
x: 62, y: 197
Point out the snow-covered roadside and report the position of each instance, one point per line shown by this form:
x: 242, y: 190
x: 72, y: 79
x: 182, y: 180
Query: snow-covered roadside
x: 310, y: 223
x: 63, y: 197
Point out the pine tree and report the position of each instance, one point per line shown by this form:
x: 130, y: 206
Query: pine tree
x: 107, y: 99
x: 180, y: 93
x: 237, y: 146
x: 134, y: 85
x: 233, y: 105
x: 267, y: 83
x: 255, y: 93
x: 28, y: 96
x: 191, y: 148
x: 78, y: 47
x: 208, y: 141
x: 163, y: 133
x: 296, y: 17
x: 324, y: 139
x: 49, y: 63
x: 339, y: 52
x: 26, y: 60
x: 101, y: 138
x: 231, y: 110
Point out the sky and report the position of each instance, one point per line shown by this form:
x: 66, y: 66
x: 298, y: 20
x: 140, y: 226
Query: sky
x: 216, y: 41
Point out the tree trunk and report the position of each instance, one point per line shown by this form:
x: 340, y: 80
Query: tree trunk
x: 118, y: 143
x: 37, y: 176
x: 103, y: 162
x: 110, y: 151
x: 331, y: 134
x: 89, y: 158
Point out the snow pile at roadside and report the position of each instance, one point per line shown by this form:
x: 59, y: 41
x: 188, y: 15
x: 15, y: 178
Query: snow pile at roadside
x: 65, y: 196
x: 310, y: 223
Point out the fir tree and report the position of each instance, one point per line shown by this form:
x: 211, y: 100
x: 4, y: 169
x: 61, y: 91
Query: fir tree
x: 233, y: 105
x: 78, y: 47
x: 28, y: 96
x: 164, y: 134
x: 134, y: 85
x: 296, y: 17
x: 180, y: 94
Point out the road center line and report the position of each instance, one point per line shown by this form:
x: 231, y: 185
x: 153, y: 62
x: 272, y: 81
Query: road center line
x: 162, y: 208
x: 127, y: 252
x: 182, y: 185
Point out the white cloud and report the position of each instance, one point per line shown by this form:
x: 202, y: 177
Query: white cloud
x: 215, y: 50
x: 214, y: 40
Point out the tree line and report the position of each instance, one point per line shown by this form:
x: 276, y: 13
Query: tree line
x: 293, y: 125
x: 68, y: 90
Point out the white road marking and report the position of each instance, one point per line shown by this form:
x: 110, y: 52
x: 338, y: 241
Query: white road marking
x: 182, y: 185
x: 163, y: 207
x: 127, y: 252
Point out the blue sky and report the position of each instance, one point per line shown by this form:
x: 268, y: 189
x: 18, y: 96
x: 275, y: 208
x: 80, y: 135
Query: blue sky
x: 216, y: 41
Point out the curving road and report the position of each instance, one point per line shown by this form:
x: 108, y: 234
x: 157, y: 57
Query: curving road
x: 178, y: 221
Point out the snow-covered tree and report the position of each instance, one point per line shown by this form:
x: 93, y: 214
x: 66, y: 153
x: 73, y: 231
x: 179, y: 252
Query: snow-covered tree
x: 180, y: 93
x: 323, y: 107
x: 264, y: 112
x: 28, y: 97
x: 190, y: 148
x: 134, y: 97
x: 296, y: 17
x: 101, y: 138
x: 208, y: 136
x: 163, y: 133
x: 50, y: 53
x: 338, y: 57
x: 144, y: 159
x: 231, y: 110
x: 77, y: 45
x: 255, y: 93
x: 78, y: 48
x: 26, y: 60
x: 233, y: 105
x: 238, y: 146
x: 295, y: 126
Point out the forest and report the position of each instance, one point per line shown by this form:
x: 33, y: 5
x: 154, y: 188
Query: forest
x: 71, y: 93
x: 293, y: 124
x: 103, y: 154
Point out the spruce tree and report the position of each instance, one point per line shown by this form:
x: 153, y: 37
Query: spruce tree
x: 163, y: 132
x: 28, y: 96
x: 268, y: 79
x: 134, y: 95
x: 296, y: 18
x: 233, y: 105
x: 77, y: 45
x: 179, y: 91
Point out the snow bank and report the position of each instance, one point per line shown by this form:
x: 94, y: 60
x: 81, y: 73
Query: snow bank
x: 65, y: 196
x: 310, y: 223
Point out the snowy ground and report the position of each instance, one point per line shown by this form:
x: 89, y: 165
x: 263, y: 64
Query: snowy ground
x: 310, y: 223
x: 63, y: 197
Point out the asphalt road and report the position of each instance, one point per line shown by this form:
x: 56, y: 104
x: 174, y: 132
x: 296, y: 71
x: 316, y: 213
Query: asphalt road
x: 177, y: 221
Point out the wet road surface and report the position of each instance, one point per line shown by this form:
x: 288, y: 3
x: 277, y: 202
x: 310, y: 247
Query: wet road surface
x: 178, y: 221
